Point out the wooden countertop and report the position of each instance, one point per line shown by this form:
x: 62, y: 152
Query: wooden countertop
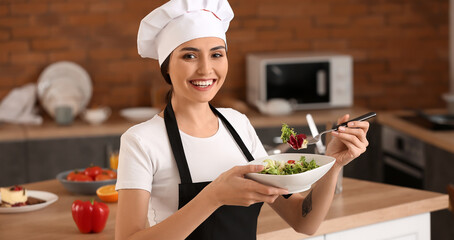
x: 360, y: 203
x: 441, y: 139
x: 117, y: 125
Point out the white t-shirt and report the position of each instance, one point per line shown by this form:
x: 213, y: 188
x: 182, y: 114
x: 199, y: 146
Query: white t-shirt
x: 146, y: 160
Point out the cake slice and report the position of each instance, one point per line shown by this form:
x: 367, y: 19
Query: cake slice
x: 14, y: 196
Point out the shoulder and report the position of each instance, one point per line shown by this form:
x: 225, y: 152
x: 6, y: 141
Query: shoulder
x: 148, y: 130
x: 232, y: 114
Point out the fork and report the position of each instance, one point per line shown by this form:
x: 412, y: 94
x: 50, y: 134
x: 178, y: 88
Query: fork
x: 317, y: 138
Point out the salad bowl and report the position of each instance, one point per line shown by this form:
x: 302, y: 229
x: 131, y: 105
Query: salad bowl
x: 298, y: 182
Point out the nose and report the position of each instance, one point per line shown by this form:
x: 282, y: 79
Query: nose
x: 205, y: 66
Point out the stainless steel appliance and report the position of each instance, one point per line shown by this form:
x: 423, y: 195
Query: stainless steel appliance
x: 306, y: 80
x: 404, y: 160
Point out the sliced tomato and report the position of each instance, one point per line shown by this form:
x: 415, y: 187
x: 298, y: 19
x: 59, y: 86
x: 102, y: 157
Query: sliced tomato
x: 291, y: 161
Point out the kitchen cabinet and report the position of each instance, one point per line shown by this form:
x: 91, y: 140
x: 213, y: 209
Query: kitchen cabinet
x: 439, y: 173
x: 13, y: 163
x: 41, y: 159
x: 407, y: 228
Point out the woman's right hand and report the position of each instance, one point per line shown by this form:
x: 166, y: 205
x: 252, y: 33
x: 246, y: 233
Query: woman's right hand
x: 232, y: 188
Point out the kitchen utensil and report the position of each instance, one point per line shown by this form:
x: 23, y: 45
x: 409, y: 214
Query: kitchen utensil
x: 317, y: 138
x: 64, y: 115
x: 294, y: 183
x: 314, y: 131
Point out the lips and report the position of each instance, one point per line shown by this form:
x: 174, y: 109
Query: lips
x: 202, y: 83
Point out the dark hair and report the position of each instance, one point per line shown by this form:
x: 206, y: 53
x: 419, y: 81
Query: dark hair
x: 165, y: 74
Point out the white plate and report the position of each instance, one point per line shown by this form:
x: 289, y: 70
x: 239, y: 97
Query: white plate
x: 64, y: 83
x: 46, y: 196
x: 139, y: 114
x: 296, y: 182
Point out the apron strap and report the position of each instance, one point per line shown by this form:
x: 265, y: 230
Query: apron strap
x: 234, y: 134
x: 176, y: 144
x: 173, y: 134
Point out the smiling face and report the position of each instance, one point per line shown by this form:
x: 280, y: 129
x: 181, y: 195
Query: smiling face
x: 198, y: 69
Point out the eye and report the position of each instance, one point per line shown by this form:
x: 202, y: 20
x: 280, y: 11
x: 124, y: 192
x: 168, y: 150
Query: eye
x: 217, y: 55
x: 188, y: 56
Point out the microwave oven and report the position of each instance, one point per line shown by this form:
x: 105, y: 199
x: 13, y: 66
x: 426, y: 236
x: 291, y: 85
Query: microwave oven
x: 306, y: 80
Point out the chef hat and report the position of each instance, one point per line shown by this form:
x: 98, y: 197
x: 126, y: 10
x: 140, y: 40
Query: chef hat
x: 179, y: 21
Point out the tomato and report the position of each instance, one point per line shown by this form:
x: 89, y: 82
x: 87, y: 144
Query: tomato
x: 82, y: 178
x: 291, y: 161
x: 93, y: 171
x: 110, y: 173
x: 102, y: 177
x: 72, y: 175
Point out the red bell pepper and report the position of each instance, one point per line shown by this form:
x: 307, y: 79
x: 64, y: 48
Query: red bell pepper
x: 90, y: 216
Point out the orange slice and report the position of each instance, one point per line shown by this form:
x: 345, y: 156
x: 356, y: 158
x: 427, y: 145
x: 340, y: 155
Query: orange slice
x: 107, y: 193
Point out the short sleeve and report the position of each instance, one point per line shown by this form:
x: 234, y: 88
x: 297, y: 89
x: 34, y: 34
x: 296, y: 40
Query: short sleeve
x: 135, y: 168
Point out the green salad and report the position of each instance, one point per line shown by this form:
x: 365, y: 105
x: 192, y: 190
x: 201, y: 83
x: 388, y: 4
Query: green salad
x: 290, y: 167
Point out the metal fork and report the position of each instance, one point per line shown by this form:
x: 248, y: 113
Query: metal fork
x: 317, y: 138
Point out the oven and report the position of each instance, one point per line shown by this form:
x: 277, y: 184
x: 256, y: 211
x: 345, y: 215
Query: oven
x: 403, y: 159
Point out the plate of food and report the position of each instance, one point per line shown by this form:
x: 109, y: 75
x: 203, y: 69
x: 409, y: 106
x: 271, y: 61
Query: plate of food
x: 17, y: 199
x: 292, y: 171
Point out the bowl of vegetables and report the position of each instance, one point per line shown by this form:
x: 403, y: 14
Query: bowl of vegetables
x: 87, y: 180
x: 292, y: 171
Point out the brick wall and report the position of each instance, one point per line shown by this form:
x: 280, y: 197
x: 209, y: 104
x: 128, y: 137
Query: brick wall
x: 400, y: 47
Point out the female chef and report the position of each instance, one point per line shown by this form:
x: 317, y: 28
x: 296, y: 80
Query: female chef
x: 181, y: 173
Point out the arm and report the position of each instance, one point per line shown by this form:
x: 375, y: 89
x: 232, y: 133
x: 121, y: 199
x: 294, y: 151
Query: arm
x: 230, y: 188
x: 305, y: 214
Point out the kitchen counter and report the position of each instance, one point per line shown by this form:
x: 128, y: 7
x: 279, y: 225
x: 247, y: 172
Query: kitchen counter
x: 117, y: 125
x: 441, y: 139
x: 361, y: 203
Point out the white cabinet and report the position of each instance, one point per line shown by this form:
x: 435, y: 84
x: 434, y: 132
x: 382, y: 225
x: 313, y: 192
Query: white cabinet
x: 415, y: 227
x: 409, y: 228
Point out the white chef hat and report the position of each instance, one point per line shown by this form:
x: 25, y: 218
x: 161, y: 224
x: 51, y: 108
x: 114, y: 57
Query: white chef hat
x: 179, y: 21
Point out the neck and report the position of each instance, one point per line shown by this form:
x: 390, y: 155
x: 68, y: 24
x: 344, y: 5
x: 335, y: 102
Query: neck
x: 195, y: 119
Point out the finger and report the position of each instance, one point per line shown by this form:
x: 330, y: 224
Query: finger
x: 248, y: 169
x: 343, y: 119
x: 264, y: 189
x: 354, y: 136
x: 354, y: 146
x: 359, y: 124
x: 356, y: 132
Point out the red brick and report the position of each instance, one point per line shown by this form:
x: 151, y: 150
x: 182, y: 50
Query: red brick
x: 370, y: 21
x: 50, y: 44
x: 87, y: 20
x: 30, y: 32
x: 4, y: 10
x: 309, y: 33
x: 14, y: 46
x: 267, y: 35
x: 386, y: 8
x: 279, y: 10
x: 106, y: 7
x: 329, y: 45
x: 11, y: 22
x: 349, y: 9
x: 332, y: 20
x: 106, y: 54
x: 294, y: 23
x: 28, y: 8
x: 77, y: 55
x: 241, y: 35
x: 28, y: 58
x: 68, y: 7
x: 260, y: 23
x: 4, y: 35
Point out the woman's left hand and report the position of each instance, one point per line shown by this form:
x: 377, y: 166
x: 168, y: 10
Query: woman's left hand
x: 348, y: 142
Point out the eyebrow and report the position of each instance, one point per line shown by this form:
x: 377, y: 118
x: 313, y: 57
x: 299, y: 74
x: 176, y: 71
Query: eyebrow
x: 198, y: 50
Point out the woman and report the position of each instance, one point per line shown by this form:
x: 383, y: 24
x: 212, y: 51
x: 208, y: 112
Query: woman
x: 182, y: 172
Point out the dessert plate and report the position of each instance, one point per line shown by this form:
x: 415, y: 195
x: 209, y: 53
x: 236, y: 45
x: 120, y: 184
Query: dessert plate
x: 67, y: 83
x: 139, y: 114
x: 46, y: 196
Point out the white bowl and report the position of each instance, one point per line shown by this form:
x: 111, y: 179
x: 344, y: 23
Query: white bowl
x: 296, y: 182
x: 139, y: 114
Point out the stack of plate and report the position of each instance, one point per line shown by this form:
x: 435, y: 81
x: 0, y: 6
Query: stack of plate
x: 64, y: 84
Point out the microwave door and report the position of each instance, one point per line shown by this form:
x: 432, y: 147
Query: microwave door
x: 301, y: 83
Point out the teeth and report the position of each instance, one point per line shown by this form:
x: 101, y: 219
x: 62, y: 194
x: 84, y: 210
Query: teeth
x: 202, y: 83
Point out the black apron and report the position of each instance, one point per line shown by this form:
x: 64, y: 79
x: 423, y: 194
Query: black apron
x: 227, y: 222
